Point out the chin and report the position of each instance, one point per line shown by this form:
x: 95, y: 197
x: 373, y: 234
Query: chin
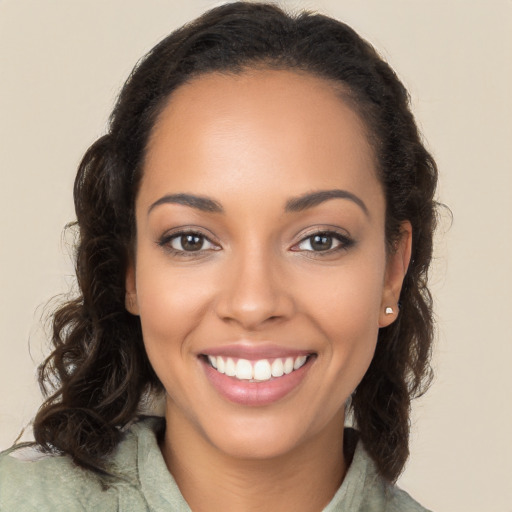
x: 257, y: 447
x: 264, y: 437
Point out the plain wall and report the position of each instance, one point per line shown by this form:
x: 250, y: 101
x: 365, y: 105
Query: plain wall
x: 61, y: 66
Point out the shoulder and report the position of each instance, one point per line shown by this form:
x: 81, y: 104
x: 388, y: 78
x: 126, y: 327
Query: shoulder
x: 364, y: 490
x: 386, y: 497
x: 32, y: 481
x: 379, y: 494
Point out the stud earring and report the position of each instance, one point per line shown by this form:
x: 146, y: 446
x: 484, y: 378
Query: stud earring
x: 389, y: 311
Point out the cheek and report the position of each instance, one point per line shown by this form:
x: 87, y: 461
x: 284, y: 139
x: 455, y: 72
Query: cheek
x: 170, y: 309
x: 171, y: 304
x: 345, y: 306
x: 348, y: 298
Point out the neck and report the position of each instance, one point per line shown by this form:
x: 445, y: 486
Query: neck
x: 212, y: 481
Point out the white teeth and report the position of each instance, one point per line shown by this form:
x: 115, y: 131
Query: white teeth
x: 261, y: 370
x: 299, y: 362
x: 230, y: 369
x: 243, y: 369
x: 288, y: 365
x: 277, y: 368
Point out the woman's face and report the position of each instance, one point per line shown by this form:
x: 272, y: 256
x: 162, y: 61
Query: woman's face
x: 261, y: 275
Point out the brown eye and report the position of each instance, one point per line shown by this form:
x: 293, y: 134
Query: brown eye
x: 324, y: 242
x: 190, y: 242
x: 321, y: 242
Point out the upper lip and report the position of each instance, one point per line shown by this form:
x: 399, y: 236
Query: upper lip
x: 254, y: 351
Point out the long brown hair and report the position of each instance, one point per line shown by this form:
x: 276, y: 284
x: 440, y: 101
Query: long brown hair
x: 98, y: 372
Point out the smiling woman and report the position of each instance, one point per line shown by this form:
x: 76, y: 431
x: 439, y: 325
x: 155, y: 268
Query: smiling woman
x: 255, y: 234
x: 269, y: 274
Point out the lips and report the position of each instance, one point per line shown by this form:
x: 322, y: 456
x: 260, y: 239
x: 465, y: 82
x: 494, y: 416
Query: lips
x: 255, y: 376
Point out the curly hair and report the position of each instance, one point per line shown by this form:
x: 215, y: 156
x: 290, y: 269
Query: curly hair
x: 98, y: 373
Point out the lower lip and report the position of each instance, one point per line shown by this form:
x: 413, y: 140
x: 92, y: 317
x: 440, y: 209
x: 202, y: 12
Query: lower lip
x: 249, y: 393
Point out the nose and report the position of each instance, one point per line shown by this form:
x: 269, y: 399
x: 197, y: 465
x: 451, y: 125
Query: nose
x: 255, y: 292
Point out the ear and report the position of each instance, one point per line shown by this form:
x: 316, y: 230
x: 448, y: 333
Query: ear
x: 130, y: 299
x: 396, y: 268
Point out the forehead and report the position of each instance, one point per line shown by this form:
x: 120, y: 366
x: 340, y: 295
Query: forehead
x: 221, y: 131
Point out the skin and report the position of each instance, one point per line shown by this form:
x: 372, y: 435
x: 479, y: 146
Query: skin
x: 252, y: 142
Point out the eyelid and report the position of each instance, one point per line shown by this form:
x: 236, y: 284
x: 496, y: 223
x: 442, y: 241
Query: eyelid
x: 165, y: 240
x: 341, y: 235
x: 178, y: 237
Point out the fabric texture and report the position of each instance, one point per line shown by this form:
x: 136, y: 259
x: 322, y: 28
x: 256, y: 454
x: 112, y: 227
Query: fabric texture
x: 33, y: 483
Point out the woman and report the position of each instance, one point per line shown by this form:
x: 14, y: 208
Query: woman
x: 255, y: 235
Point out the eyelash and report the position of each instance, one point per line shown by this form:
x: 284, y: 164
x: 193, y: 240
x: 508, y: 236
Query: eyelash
x: 344, y: 243
x: 167, y: 240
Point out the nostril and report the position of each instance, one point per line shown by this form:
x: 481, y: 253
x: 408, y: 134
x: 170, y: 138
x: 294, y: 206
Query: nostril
x: 254, y: 299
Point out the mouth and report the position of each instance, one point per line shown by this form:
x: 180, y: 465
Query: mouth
x: 256, y: 382
x: 261, y: 370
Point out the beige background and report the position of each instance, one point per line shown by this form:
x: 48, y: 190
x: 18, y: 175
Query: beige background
x: 61, y: 65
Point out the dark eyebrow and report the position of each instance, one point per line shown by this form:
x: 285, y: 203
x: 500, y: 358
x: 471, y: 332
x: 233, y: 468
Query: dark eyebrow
x: 204, y: 204
x: 309, y: 200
